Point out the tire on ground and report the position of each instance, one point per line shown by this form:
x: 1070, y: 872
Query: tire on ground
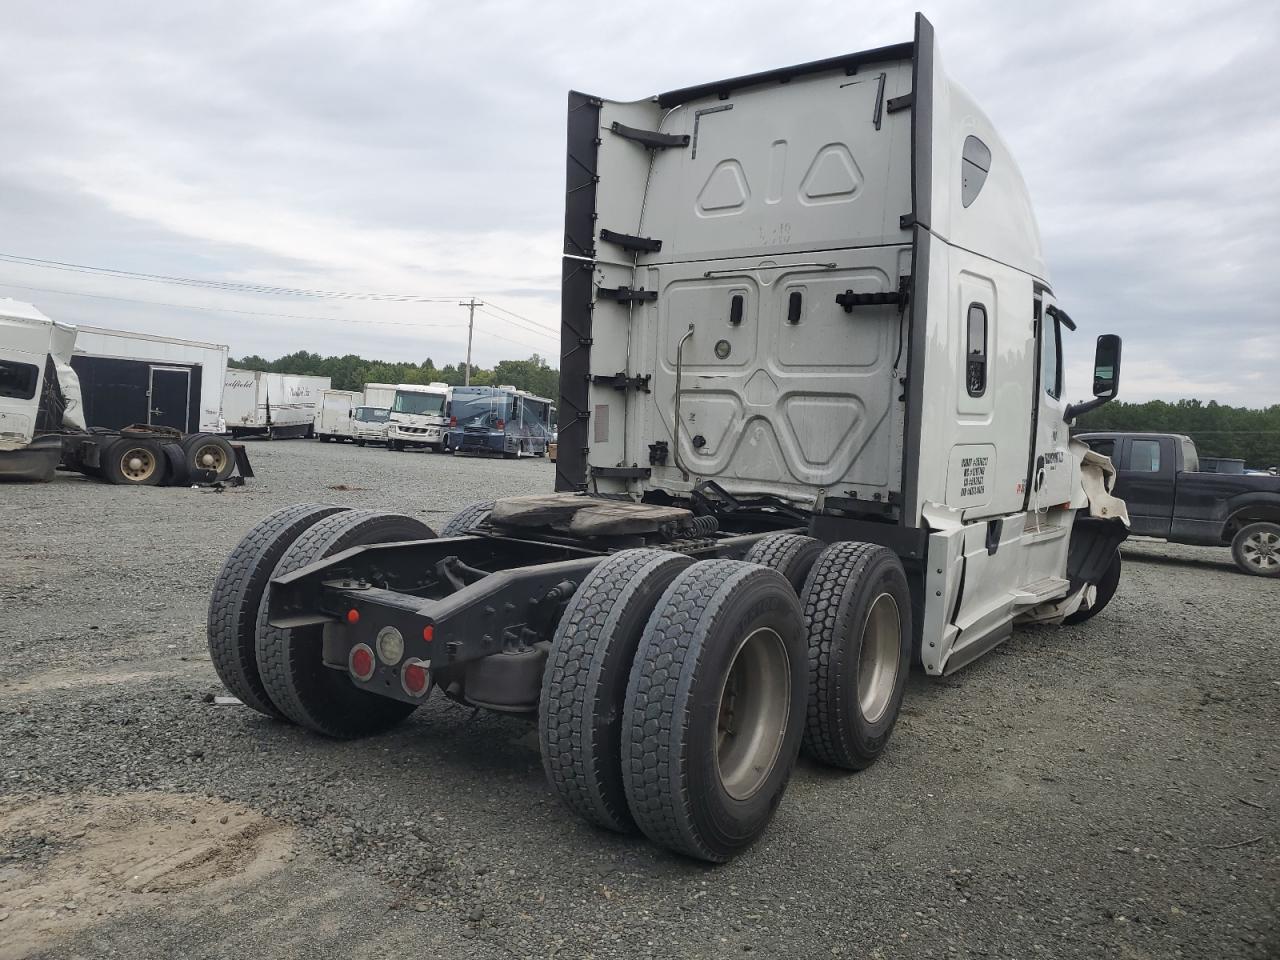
x: 791, y: 554
x: 237, y: 595
x: 1256, y: 549
x: 290, y: 661
x: 1106, y: 590
x: 857, y: 611
x: 714, y: 709
x: 207, y: 452
x: 466, y: 519
x: 584, y: 685
x: 135, y: 462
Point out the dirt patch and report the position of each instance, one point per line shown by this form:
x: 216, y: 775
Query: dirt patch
x: 68, y: 679
x: 65, y: 863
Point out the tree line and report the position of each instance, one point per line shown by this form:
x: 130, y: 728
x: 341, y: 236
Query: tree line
x: 352, y: 373
x: 1218, y: 430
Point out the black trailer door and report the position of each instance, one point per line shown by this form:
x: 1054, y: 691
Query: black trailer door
x: 169, y: 395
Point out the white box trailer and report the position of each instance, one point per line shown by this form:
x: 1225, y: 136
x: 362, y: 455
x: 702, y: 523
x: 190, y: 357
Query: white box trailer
x: 815, y: 432
x: 132, y: 378
x: 335, y: 418
x: 379, y: 395
x: 256, y: 403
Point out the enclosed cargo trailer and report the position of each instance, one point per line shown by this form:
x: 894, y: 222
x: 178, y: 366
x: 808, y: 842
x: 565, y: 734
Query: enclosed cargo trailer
x: 256, y: 403
x: 128, y: 378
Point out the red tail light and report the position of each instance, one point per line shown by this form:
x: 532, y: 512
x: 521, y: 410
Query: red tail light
x: 501, y: 424
x: 361, y: 661
x: 415, y: 677
x: 453, y: 421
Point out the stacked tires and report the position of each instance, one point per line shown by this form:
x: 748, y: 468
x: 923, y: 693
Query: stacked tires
x: 678, y: 694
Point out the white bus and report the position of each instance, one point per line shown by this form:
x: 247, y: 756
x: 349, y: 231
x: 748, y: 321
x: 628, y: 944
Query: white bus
x: 418, y: 416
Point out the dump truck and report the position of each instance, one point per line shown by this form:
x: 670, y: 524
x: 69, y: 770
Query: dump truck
x: 43, y: 427
x: 813, y: 431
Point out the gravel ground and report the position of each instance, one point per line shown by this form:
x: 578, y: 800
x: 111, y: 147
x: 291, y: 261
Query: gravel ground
x: 1103, y: 790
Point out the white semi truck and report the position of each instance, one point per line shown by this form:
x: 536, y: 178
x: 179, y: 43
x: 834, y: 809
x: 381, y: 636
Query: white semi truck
x: 813, y: 432
x: 276, y: 406
x: 43, y: 424
x: 418, y: 416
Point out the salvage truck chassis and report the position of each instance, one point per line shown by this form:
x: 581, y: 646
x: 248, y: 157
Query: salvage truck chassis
x: 790, y: 301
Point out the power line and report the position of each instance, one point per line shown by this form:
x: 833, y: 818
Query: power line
x: 540, y: 332
x: 521, y: 316
x: 251, y: 313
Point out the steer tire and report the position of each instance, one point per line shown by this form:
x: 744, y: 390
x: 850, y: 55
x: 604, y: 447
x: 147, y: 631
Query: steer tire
x: 466, y: 519
x: 1256, y: 549
x: 1106, y: 590
x: 134, y: 462
x: 791, y: 554
x: 715, y: 709
x: 291, y: 660
x: 858, y: 664
x: 237, y: 596
x: 584, y: 685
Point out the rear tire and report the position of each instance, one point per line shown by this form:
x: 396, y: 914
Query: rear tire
x: 1106, y: 590
x: 584, y: 686
x: 291, y: 662
x: 237, y: 596
x: 1256, y: 549
x: 714, y: 709
x: 134, y: 462
x: 857, y: 609
x: 206, y: 452
x: 467, y: 519
x: 791, y: 554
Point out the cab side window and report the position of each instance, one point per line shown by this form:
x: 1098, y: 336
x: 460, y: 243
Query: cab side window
x: 1144, y: 456
x: 976, y: 351
x: 1051, y: 358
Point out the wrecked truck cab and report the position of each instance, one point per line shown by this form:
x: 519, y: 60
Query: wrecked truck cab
x: 812, y: 430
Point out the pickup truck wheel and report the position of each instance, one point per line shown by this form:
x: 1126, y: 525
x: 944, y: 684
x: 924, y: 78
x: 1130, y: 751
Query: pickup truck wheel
x: 466, y: 519
x: 857, y: 609
x: 714, y: 709
x: 291, y: 662
x: 1106, y: 590
x: 584, y: 685
x: 134, y: 462
x: 237, y: 595
x: 791, y: 554
x: 1256, y: 549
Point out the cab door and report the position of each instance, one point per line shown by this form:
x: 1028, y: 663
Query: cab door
x: 1050, y: 482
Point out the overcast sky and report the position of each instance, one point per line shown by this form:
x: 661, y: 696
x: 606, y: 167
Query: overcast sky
x: 418, y: 148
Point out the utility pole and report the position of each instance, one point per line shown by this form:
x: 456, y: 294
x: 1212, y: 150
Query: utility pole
x: 471, y: 329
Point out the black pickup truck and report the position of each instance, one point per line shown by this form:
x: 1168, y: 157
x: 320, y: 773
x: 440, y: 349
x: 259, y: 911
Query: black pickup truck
x: 1158, y: 476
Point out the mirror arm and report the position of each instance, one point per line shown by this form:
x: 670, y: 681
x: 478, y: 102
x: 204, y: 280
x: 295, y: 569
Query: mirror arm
x: 1076, y: 409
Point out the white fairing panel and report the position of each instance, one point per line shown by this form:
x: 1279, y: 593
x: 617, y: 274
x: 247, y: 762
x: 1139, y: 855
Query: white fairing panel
x: 786, y: 196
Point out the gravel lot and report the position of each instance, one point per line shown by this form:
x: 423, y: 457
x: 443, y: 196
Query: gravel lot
x: 1104, y: 790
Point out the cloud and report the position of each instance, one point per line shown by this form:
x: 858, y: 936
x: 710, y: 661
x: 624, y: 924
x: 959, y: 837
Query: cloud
x: 418, y: 148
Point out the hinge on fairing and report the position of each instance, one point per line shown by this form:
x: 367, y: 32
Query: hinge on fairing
x: 658, y: 451
x: 631, y: 242
x: 620, y: 381
x: 626, y: 294
x: 849, y: 299
x: 650, y: 138
x: 894, y: 104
